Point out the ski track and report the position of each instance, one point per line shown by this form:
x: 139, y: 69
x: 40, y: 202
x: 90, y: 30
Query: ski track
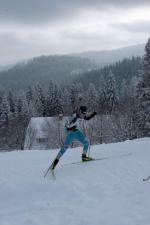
x: 105, y: 192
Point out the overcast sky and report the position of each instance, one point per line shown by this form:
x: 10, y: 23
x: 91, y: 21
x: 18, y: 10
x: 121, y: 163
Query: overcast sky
x: 33, y: 27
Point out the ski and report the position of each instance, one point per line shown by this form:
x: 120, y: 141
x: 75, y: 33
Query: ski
x: 97, y: 159
x: 146, y: 179
x: 93, y: 159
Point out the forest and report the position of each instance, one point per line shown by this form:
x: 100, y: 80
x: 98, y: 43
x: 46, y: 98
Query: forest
x: 119, y: 93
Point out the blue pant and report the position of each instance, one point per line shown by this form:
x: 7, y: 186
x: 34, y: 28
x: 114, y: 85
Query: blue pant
x: 71, y: 136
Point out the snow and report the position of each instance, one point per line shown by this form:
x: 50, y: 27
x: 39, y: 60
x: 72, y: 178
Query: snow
x: 106, y: 192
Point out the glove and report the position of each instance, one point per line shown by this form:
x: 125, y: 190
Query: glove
x: 94, y: 113
x: 74, y: 128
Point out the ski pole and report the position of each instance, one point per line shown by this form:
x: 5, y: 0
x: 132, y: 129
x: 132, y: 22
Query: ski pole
x: 89, y: 150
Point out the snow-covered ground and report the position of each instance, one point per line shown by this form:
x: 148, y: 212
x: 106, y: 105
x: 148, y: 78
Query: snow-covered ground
x: 105, y: 192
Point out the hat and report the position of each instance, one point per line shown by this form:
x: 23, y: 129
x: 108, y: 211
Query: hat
x: 83, y: 109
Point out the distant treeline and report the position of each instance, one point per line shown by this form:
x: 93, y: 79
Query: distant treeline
x: 42, y: 69
x: 125, y: 70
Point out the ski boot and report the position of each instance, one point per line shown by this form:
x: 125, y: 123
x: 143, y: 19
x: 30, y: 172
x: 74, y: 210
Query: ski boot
x: 86, y: 158
x: 54, y: 163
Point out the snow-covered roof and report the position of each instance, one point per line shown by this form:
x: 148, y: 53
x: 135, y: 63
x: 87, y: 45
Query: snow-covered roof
x: 43, y: 124
x: 38, y: 122
x: 40, y: 125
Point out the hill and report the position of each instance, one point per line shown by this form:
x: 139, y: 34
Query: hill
x: 61, y: 68
x: 125, y: 70
x: 43, y: 69
x: 107, y: 192
x: 111, y: 56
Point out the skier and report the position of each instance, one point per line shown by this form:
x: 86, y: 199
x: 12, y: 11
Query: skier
x: 74, y: 132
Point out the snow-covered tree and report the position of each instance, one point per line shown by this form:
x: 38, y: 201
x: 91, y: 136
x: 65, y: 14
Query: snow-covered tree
x: 29, y: 95
x: 111, y: 94
x: 39, y: 100
x: 76, y: 95
x: 11, y: 102
x: 25, y: 105
x: 143, y: 95
x: 18, y: 106
x: 53, y: 100
x: 4, y: 109
x: 21, y: 106
x: 2, y: 93
x: 66, y: 104
x: 92, y: 97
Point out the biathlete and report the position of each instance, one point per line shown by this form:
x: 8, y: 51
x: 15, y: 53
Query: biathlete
x: 74, y: 132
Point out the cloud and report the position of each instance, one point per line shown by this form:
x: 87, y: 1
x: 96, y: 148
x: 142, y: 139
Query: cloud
x: 33, y: 27
x: 83, y: 34
x: 16, y: 46
x: 138, y: 26
x: 50, y: 11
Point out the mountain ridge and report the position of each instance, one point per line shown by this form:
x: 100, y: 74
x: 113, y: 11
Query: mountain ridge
x: 62, y: 68
x: 113, y: 55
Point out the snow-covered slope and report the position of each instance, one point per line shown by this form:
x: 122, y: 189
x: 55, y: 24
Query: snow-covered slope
x: 105, y: 192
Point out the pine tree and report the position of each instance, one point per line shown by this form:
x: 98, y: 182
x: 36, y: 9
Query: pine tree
x: 76, y: 96
x: 143, y: 95
x: 49, y: 98
x: 11, y: 101
x: 39, y: 100
x: 18, y: 106
x: 92, y: 97
x: 2, y: 93
x: 66, y: 104
x: 4, y: 110
x: 53, y: 100
x: 25, y: 106
x: 4, y: 122
x: 57, y: 100
x: 111, y: 95
x: 19, y: 122
x: 29, y: 95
